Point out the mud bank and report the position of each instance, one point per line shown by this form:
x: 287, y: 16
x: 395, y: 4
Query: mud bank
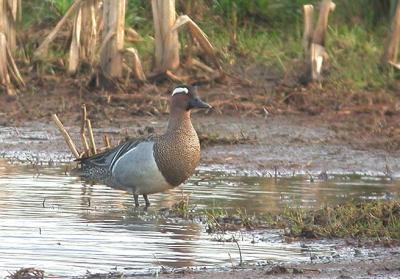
x: 285, y: 144
x: 384, y: 267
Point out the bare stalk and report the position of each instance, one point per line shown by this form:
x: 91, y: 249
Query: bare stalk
x: 308, y: 11
x: 44, y: 46
x: 83, y: 131
x: 166, y: 39
x: 112, y: 46
x: 107, y: 142
x: 392, y: 43
x: 136, y: 64
x: 66, y: 136
x: 314, y: 40
x: 91, y: 137
x: 74, y: 51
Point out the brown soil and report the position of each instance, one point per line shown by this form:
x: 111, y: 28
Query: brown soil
x: 370, y: 116
x: 382, y: 267
x: 388, y: 267
x: 250, y: 109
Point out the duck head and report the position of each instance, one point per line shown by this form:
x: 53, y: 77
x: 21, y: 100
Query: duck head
x: 185, y: 98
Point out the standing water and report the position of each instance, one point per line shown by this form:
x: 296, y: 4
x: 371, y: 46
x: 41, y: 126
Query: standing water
x: 55, y: 222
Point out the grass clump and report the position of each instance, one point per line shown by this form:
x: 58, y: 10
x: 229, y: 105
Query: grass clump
x: 220, y: 220
x: 377, y: 219
x: 371, y: 219
x: 181, y: 208
x: 214, y: 219
x: 355, y: 59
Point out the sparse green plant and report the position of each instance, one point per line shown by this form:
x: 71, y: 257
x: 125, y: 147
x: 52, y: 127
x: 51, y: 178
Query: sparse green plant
x: 59, y: 6
x: 213, y: 219
x: 371, y: 219
x: 247, y: 220
x: 366, y: 219
x: 138, y: 14
x: 181, y: 208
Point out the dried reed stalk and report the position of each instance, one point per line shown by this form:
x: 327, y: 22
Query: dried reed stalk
x: 107, y: 142
x: 19, y: 9
x: 92, y: 143
x: 83, y: 131
x: 136, y: 64
x: 44, y: 46
x: 314, y: 44
x: 84, y: 35
x: 392, y: 43
x: 74, y: 51
x: 175, y: 77
x: 111, y: 59
x: 4, y: 74
x: 395, y: 65
x: 8, y: 18
x: 66, y: 136
x: 8, y: 69
x: 106, y: 39
x: 322, y: 24
x: 15, y: 74
x: 89, y: 38
x: 199, y: 35
x: 132, y: 36
x: 202, y: 66
x: 318, y: 54
x: 166, y: 39
x: 308, y: 11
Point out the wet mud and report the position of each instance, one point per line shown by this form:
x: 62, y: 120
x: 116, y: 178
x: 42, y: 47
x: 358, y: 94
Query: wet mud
x: 281, y: 145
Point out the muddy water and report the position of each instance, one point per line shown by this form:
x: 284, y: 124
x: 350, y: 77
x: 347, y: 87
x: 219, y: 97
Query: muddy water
x: 57, y: 223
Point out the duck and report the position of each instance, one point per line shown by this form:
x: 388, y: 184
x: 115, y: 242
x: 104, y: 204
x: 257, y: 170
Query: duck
x: 152, y: 164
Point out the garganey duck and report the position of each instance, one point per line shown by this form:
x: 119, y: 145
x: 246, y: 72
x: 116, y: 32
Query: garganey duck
x: 155, y: 163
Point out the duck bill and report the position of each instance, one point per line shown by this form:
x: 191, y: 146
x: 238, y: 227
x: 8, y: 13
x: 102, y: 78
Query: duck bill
x: 197, y: 103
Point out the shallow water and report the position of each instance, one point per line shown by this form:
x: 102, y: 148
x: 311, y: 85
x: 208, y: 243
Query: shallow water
x: 57, y: 223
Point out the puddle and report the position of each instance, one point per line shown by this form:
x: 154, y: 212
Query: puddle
x: 54, y: 222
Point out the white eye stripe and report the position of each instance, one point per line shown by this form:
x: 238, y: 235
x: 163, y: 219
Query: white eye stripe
x: 180, y: 90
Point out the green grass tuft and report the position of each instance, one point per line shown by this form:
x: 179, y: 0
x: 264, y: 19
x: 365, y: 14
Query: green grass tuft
x: 376, y: 219
x: 370, y: 219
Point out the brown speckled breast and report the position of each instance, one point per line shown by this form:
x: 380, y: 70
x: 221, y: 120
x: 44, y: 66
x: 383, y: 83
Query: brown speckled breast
x: 177, y: 154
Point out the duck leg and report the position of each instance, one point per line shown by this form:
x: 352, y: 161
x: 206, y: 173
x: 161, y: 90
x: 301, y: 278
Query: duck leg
x: 136, y: 197
x: 146, y: 199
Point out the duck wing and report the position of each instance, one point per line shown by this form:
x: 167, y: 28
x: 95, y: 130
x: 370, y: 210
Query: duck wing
x: 109, y: 157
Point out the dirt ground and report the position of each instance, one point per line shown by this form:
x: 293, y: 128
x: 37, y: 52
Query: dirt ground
x: 375, y: 268
x: 255, y: 145
x: 383, y: 266
x: 364, y: 119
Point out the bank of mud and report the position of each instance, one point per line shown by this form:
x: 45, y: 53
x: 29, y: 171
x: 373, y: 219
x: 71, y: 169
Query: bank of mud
x: 380, y: 267
x: 273, y: 145
x: 380, y: 263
